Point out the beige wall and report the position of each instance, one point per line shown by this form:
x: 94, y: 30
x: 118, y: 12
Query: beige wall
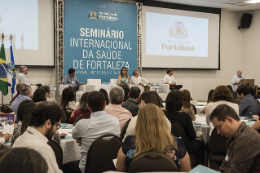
x: 230, y: 61
x: 251, y: 49
x: 239, y: 50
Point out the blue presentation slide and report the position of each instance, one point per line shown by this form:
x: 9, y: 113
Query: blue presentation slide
x: 172, y: 35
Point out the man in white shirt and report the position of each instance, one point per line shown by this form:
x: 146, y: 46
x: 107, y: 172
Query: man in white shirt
x: 45, y: 121
x: 136, y: 79
x: 235, y: 81
x: 169, y: 79
x: 87, y: 131
x: 22, y: 76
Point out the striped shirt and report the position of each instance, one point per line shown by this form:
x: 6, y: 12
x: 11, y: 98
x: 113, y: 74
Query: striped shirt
x: 15, y: 104
x: 243, y: 152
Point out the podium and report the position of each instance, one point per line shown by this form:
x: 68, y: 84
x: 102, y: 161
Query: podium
x: 247, y: 82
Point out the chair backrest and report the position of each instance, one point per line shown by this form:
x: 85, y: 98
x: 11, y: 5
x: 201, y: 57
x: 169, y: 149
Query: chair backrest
x: 217, y: 143
x: 113, y: 81
x: 95, y: 82
x: 101, y: 153
x: 82, y: 116
x: 178, y: 131
x: 123, y: 131
x: 144, y: 163
x: 57, y: 151
x: 66, y: 118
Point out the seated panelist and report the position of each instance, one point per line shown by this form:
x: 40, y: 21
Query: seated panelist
x: 72, y: 81
x: 23, y: 78
x: 123, y: 81
x: 136, y: 79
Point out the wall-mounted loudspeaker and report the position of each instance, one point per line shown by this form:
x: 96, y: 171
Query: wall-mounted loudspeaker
x: 245, y: 21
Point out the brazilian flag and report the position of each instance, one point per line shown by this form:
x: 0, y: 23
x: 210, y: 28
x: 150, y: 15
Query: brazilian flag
x: 3, y: 70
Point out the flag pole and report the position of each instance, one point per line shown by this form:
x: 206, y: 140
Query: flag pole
x: 11, y: 41
x: 3, y: 36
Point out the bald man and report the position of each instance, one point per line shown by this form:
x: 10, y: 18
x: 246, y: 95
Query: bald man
x: 235, y: 81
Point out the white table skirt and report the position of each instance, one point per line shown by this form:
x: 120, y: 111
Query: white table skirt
x: 71, y: 150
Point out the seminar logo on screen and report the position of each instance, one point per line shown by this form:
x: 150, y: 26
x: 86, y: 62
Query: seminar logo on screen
x: 178, y: 31
x: 106, y: 16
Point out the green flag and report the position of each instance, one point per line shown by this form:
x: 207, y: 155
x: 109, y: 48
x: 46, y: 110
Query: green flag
x: 3, y: 75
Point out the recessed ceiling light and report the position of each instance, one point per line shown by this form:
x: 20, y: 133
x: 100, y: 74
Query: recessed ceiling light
x: 252, y: 1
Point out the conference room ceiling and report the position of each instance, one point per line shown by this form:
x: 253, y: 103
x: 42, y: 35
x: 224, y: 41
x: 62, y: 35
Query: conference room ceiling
x: 231, y: 5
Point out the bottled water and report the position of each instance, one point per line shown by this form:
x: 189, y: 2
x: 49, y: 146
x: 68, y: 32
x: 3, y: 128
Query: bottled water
x: 50, y: 86
x: 54, y: 87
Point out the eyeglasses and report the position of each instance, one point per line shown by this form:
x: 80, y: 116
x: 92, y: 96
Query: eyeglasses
x: 124, y: 70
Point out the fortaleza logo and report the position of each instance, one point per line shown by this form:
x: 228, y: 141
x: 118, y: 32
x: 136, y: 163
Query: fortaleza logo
x: 179, y: 32
x: 106, y: 16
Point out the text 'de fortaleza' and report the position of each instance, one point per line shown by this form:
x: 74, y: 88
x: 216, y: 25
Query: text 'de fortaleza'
x: 102, y: 50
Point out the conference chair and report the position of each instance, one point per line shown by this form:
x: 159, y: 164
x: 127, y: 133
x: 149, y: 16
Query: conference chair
x: 218, y: 149
x: 95, y: 82
x: 123, y: 131
x: 152, y: 162
x: 82, y: 116
x: 113, y: 83
x: 66, y: 117
x: 57, y: 151
x: 178, y: 131
x: 83, y: 88
x: 101, y: 153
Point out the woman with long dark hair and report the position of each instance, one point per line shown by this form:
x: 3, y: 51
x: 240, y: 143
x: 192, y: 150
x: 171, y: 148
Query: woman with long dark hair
x: 68, y: 99
x: 24, y: 114
x: 123, y: 81
x: 83, y: 109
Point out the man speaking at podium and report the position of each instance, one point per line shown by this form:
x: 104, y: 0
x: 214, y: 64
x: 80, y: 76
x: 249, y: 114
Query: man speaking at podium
x: 235, y: 81
x: 169, y: 79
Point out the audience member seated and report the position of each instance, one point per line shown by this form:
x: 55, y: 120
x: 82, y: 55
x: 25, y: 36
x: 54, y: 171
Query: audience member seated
x: 68, y: 99
x: 24, y: 115
x: 151, y: 128
x: 131, y: 104
x: 48, y: 94
x: 18, y: 90
x: 4, y: 138
x: 72, y: 81
x: 221, y: 95
x: 44, y: 123
x: 39, y: 95
x: 123, y: 81
x: 105, y: 94
x: 22, y: 160
x: 116, y: 96
x: 174, y: 114
x: 146, y: 97
x: 248, y: 106
x: 83, y: 109
x: 203, y: 111
x: 87, y: 131
x: 136, y: 79
x: 158, y: 100
x: 187, y: 106
x: 26, y: 94
x: 243, y: 154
